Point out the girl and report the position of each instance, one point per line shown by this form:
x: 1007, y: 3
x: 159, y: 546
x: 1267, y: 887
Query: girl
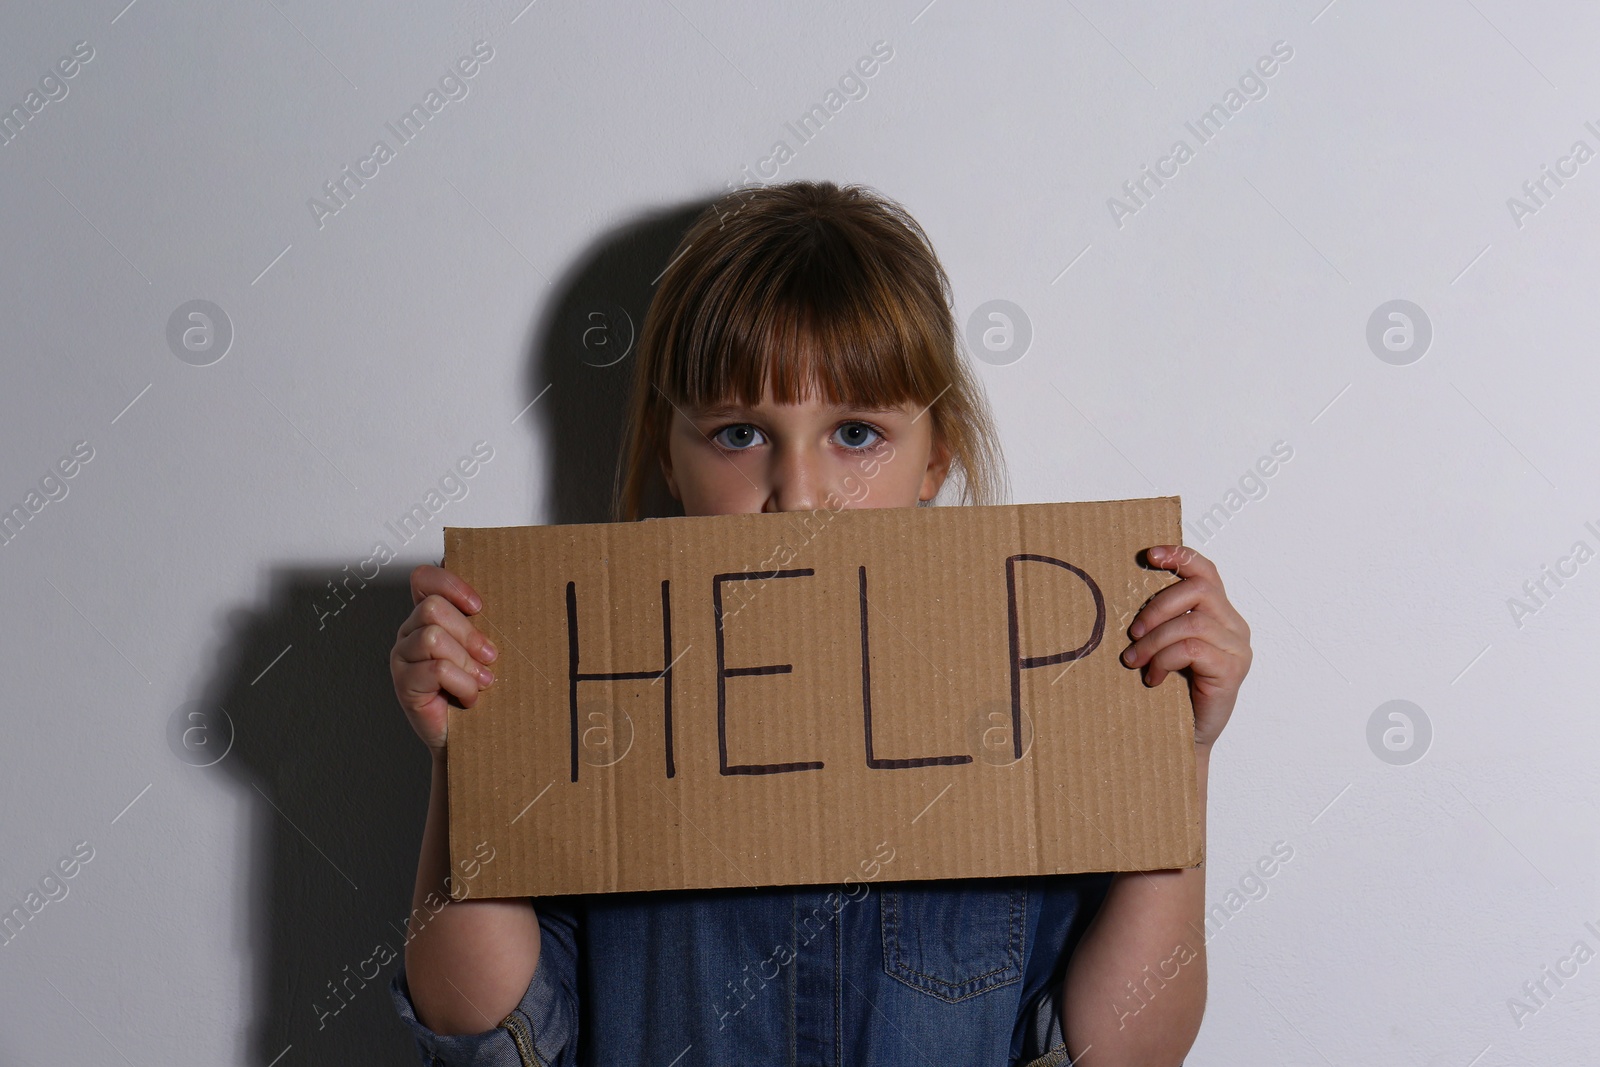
x: 800, y: 353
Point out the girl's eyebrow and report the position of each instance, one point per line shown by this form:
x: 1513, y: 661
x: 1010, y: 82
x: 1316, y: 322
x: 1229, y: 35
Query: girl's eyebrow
x: 726, y: 411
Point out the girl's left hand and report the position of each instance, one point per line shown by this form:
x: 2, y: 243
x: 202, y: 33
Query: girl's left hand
x: 1190, y: 627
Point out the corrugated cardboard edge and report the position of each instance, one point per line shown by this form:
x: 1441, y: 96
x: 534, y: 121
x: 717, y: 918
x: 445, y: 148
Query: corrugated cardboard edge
x: 1191, y: 769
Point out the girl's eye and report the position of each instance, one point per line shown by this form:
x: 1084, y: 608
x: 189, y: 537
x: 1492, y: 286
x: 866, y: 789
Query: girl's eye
x: 737, y: 437
x: 858, y: 435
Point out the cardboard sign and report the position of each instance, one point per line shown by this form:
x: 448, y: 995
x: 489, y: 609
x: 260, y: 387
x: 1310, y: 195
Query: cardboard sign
x: 742, y: 700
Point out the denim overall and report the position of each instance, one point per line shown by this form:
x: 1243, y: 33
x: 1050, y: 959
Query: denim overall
x: 958, y: 972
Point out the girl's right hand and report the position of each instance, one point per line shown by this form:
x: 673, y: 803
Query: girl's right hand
x: 437, y: 651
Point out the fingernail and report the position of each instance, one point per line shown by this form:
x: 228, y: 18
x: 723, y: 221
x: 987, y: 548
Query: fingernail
x: 1137, y: 630
x: 1127, y: 655
x: 477, y: 603
x: 485, y: 676
x: 490, y: 651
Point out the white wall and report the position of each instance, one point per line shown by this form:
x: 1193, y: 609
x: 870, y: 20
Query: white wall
x: 1169, y: 353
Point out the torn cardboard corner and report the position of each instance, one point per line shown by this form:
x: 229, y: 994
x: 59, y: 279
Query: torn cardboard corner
x: 747, y: 700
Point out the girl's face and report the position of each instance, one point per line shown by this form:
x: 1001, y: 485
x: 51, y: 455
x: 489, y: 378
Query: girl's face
x: 732, y: 459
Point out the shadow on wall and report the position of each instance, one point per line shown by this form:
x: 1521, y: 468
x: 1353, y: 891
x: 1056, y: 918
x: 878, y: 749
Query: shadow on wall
x: 339, y: 782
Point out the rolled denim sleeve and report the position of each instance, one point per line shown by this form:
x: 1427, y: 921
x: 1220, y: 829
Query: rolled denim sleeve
x: 541, y: 1031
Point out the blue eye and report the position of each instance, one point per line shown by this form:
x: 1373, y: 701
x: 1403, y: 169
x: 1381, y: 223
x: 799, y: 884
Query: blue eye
x: 852, y: 432
x: 741, y: 432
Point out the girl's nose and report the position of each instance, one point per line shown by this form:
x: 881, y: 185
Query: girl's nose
x: 793, y: 484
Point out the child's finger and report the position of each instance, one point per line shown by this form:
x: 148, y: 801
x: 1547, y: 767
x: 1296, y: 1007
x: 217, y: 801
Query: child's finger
x: 1188, y: 562
x: 435, y: 610
x: 1169, y: 603
x: 1182, y: 631
x: 427, y: 580
x: 1207, y: 659
x: 435, y: 642
x: 419, y: 684
x: 1200, y: 584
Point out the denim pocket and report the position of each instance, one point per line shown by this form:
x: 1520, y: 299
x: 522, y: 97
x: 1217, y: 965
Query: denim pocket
x: 953, y: 939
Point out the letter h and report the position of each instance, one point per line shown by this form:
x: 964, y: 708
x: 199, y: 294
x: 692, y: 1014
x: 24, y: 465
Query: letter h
x: 575, y: 676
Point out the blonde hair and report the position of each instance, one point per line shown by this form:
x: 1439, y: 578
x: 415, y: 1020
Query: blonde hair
x: 800, y: 285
